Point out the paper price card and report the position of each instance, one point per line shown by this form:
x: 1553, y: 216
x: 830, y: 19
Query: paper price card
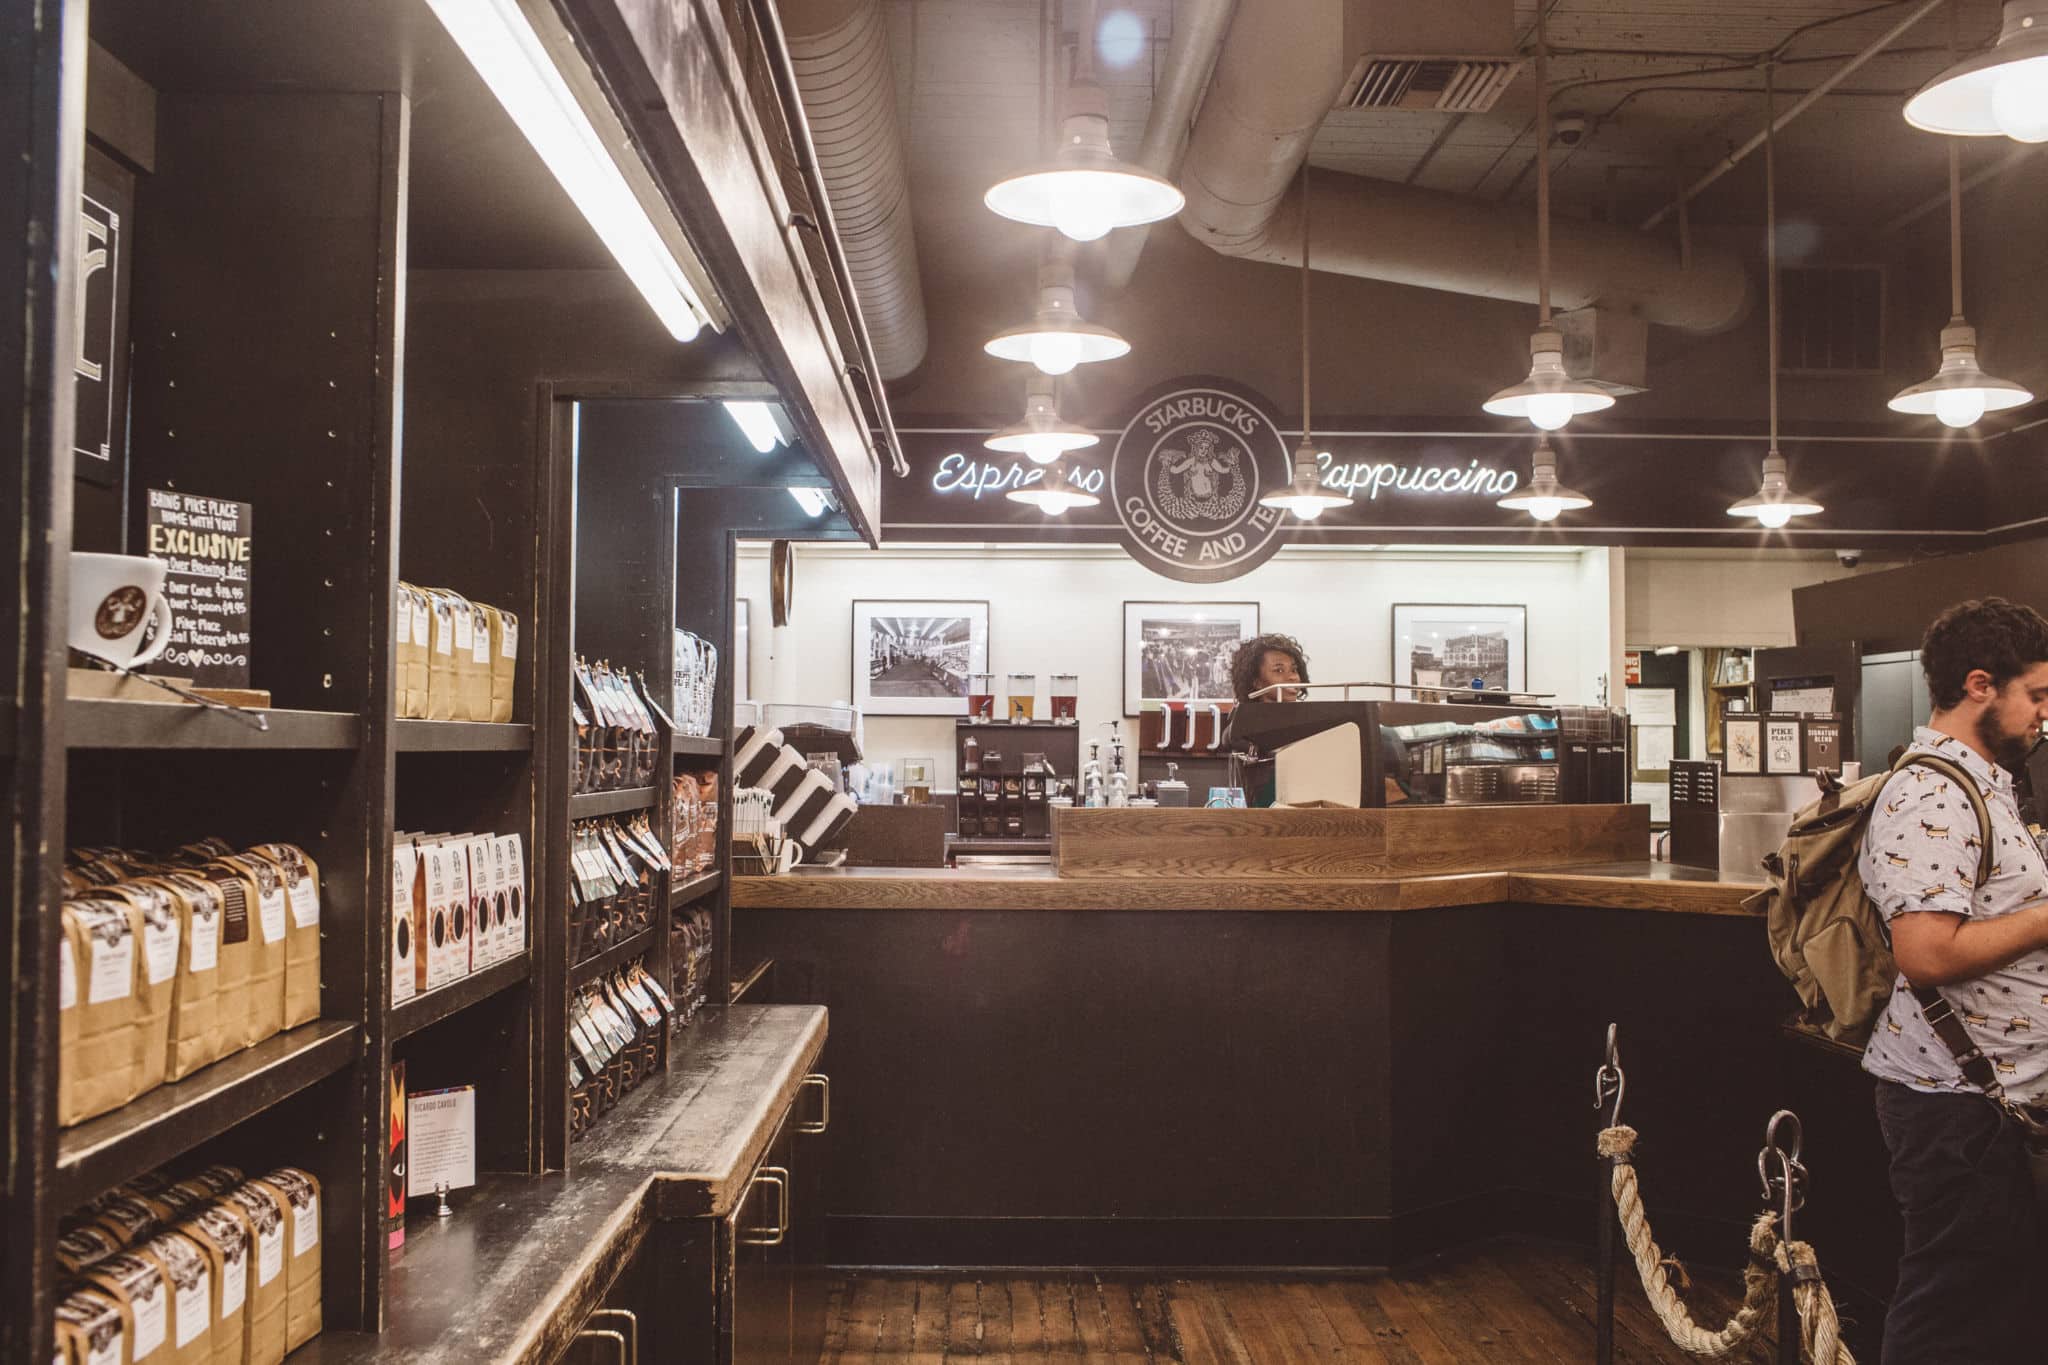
x: 440, y: 1133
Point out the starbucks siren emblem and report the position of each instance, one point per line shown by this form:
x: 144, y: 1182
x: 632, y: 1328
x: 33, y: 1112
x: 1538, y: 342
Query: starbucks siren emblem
x: 119, y: 611
x: 1186, y: 476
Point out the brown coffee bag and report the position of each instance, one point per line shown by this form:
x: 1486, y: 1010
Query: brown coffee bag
x: 135, y: 1279
x: 104, y: 1065
x: 191, y: 1023
x: 301, y: 878
x: 409, y: 633
x: 504, y: 662
x: 222, y: 1231
x: 268, y: 1218
x: 128, y: 1220
x: 301, y: 1192
x: 190, y: 1274
x: 206, y: 907
x: 444, y: 686
x: 260, y: 927
x: 94, y: 1328
x: 82, y: 1248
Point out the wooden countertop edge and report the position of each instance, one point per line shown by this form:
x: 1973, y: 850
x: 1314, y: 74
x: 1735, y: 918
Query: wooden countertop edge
x: 547, y: 1331
x: 1543, y: 887
x: 716, y: 1193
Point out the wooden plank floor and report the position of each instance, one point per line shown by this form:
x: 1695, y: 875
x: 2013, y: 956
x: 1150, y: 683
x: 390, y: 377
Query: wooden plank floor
x: 1498, y: 1302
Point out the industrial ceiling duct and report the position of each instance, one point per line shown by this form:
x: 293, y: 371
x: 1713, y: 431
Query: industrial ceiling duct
x: 840, y: 52
x: 1284, y: 66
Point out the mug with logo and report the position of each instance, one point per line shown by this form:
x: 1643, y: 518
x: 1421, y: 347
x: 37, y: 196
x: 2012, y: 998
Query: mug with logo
x: 116, y: 602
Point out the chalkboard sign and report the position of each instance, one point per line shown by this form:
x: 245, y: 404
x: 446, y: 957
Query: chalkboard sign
x: 206, y: 542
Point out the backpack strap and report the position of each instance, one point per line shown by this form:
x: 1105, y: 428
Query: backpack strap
x: 1940, y: 1015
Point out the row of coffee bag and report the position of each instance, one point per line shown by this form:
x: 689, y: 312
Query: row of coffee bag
x: 210, y: 1270
x: 456, y: 658
x: 458, y: 905
x: 171, y: 962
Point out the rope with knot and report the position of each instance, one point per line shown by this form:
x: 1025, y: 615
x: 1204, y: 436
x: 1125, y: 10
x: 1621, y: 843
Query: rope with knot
x: 1820, y: 1329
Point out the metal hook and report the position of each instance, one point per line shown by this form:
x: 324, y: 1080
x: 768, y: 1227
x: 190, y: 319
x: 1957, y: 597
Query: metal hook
x: 1788, y: 1187
x: 1609, y: 1081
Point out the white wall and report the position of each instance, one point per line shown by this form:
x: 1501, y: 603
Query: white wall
x: 1721, y: 597
x: 1060, y: 610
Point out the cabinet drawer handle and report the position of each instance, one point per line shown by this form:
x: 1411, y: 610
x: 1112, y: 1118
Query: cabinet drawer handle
x: 599, y: 1334
x: 632, y: 1321
x: 824, y: 1085
x: 771, y: 1236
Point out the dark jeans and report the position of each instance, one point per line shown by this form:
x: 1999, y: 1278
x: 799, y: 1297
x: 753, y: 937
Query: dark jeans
x: 1971, y: 1277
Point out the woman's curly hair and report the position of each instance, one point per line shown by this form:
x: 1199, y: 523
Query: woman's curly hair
x: 1244, y: 664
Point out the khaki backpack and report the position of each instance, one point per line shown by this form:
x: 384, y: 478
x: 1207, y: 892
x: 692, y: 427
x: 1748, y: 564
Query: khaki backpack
x: 1827, y: 937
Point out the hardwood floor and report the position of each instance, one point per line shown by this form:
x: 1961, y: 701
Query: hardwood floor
x: 1500, y: 1302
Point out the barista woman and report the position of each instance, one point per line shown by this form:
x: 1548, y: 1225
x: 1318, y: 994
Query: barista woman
x: 1266, y: 660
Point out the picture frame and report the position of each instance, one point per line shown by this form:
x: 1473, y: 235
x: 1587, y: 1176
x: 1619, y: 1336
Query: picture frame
x: 912, y: 657
x: 1445, y: 645
x: 1181, y: 651
x: 1744, y: 737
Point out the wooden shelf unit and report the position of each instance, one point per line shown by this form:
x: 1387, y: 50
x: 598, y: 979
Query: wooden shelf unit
x: 398, y: 412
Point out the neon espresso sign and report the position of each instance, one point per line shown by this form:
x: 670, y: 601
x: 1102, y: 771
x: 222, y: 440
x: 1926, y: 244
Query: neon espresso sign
x: 957, y: 475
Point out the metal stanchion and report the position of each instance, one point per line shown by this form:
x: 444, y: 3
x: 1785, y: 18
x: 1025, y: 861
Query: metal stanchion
x: 1608, y: 1084
x: 1786, y: 1192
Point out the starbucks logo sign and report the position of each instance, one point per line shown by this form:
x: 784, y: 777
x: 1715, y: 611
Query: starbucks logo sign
x: 1186, y: 478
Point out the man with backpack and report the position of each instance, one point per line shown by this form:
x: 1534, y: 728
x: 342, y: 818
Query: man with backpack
x: 1963, y: 892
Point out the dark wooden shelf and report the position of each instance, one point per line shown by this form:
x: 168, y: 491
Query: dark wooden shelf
x: 435, y: 1005
x: 691, y: 889
x: 173, y: 1119
x: 700, y: 746
x: 742, y: 984
x: 587, y: 804
x: 625, y: 950
x: 460, y: 736
x: 96, y: 723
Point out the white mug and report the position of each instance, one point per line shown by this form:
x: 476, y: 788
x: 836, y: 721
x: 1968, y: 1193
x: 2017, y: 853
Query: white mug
x: 113, y: 599
x: 791, y: 854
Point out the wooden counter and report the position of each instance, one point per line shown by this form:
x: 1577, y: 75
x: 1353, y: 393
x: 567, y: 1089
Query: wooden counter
x: 1619, y: 885
x: 512, y: 1275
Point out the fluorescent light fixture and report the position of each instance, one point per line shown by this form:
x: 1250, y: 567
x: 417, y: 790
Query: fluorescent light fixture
x: 1085, y: 191
x: 1549, y: 397
x: 1544, y: 497
x: 1305, y: 495
x: 761, y: 422
x: 1054, y: 492
x: 816, y: 502
x: 1042, y: 436
x: 502, y: 45
x: 2003, y: 89
x: 1774, y: 504
x: 1057, y: 339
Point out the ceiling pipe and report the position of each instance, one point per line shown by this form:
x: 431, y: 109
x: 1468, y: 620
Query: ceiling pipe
x: 1800, y: 106
x: 1279, y: 74
x: 1198, y: 29
x: 839, y: 50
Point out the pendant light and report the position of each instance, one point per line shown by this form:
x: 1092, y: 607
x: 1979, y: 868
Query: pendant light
x: 1544, y: 497
x: 1774, y: 504
x: 1085, y: 190
x: 1042, y: 436
x: 1056, y: 339
x: 1305, y: 495
x: 1549, y: 397
x: 2003, y: 89
x: 1055, y: 492
x: 1960, y: 392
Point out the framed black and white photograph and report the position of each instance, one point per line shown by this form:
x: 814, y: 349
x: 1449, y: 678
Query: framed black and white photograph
x: 913, y: 658
x: 1180, y: 651
x: 1461, y: 646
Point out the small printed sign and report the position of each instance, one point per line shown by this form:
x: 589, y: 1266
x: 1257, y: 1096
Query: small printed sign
x: 207, y: 542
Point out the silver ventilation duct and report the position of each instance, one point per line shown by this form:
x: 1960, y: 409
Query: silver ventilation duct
x: 1283, y: 67
x: 840, y: 52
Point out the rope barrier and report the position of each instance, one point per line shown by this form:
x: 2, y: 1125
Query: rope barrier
x: 1820, y: 1329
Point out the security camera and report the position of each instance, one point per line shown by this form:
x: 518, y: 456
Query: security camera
x: 1849, y: 558
x: 1570, y: 128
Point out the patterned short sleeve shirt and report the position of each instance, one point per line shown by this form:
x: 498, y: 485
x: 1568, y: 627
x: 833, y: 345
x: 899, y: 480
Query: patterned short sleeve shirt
x: 1920, y: 852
